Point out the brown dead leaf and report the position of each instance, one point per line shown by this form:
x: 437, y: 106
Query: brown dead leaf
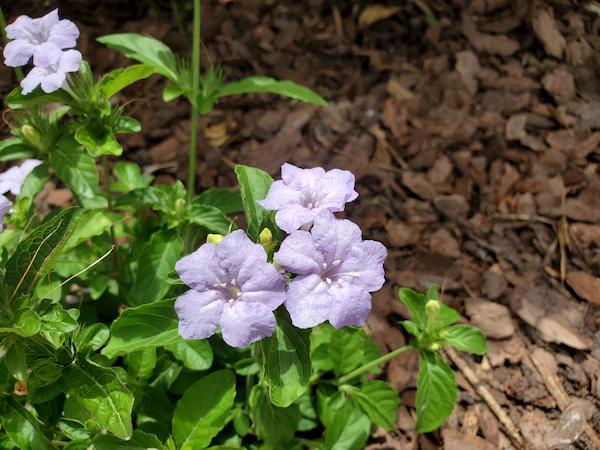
x: 585, y: 286
x: 489, y: 43
x: 443, y: 243
x: 399, y: 92
x: 375, y: 13
x: 494, y: 319
x: 546, y: 30
x: 402, y: 234
x: 459, y: 440
x: 560, y: 84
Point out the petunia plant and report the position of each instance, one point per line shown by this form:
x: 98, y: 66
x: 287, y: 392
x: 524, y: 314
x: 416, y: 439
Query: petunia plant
x: 146, y: 316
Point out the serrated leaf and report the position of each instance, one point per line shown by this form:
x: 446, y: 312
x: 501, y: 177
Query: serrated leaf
x: 145, y: 49
x: 33, y: 257
x: 23, y: 428
x: 118, y: 79
x: 465, y: 338
x: 104, y: 395
x: 156, y: 261
x: 202, y: 411
x: 149, y: 325
x: 285, y: 88
x: 254, y: 185
x: 436, y: 392
x: 285, y: 360
x: 379, y: 401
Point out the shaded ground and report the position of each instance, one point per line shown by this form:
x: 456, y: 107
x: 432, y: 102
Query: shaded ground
x: 476, y: 145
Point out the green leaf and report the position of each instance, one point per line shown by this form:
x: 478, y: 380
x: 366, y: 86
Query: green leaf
x: 194, y: 354
x: 202, y: 411
x: 146, y: 50
x: 90, y: 338
x: 34, y: 256
x: 98, y: 140
x: 126, y: 125
x: 209, y: 217
x: 16, y: 100
x: 16, y: 148
x: 171, y: 92
x: 156, y: 261
x: 23, y: 428
x: 347, y: 427
x: 149, y: 325
x: 227, y: 200
x: 285, y: 358
x: 77, y: 169
x: 139, y: 441
x: 415, y: 302
x: 274, y: 425
x: 118, y: 79
x: 379, y: 401
x: 27, y: 324
x: 465, y: 338
x: 436, y: 392
x: 447, y: 316
x: 129, y: 177
x: 91, y: 223
x: 254, y: 185
x: 103, y: 394
x: 15, y: 361
x: 345, y: 350
x: 257, y: 84
x: 141, y: 363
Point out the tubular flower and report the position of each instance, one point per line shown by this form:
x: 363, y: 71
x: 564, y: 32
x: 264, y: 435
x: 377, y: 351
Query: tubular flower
x: 47, y: 35
x: 232, y: 287
x: 53, y: 74
x: 336, y: 271
x: 303, y: 194
x: 12, y: 180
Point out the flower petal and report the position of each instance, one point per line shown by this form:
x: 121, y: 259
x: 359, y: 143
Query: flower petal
x: 336, y: 189
x: 199, y: 270
x: 17, y: 53
x: 364, y: 265
x: 43, y: 25
x: 301, y: 179
x: 335, y: 237
x: 239, y: 256
x: 53, y: 82
x: 199, y: 313
x: 243, y: 323
x: 33, y: 79
x: 46, y: 55
x: 266, y: 286
x: 293, y: 217
x: 19, y: 28
x: 5, y: 205
x: 280, y: 196
x: 350, y: 305
x: 64, y: 34
x: 299, y: 254
x: 308, y: 301
x: 70, y: 61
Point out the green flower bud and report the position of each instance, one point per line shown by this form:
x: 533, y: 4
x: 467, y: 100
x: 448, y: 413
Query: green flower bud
x: 434, y: 347
x: 214, y: 239
x: 179, y: 205
x: 432, y: 309
x: 266, y: 238
x: 32, y: 136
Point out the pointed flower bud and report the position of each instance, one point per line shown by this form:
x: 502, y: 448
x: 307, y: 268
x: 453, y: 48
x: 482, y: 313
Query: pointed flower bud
x: 32, y: 136
x: 266, y: 238
x: 432, y: 309
x: 214, y: 239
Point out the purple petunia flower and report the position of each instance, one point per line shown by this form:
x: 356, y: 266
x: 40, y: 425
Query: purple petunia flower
x: 336, y: 270
x: 29, y: 37
x: 303, y: 194
x: 53, y: 73
x: 5, y: 205
x: 232, y: 286
x: 12, y: 180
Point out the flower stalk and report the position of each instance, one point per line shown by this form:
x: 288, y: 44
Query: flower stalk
x: 194, y: 100
x: 376, y: 362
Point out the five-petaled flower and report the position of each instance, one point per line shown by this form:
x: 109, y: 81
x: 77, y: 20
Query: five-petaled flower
x: 29, y: 36
x: 336, y: 271
x: 303, y: 194
x: 232, y: 286
x: 52, y: 75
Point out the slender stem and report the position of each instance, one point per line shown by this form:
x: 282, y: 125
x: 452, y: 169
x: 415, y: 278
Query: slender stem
x: 108, y: 189
x: 374, y: 363
x: 18, y: 70
x: 194, y: 100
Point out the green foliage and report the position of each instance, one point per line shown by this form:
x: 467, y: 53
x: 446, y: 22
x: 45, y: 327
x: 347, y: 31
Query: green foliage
x: 254, y: 185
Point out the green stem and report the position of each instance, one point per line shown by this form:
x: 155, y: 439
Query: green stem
x: 372, y: 364
x: 108, y: 189
x: 194, y: 101
x: 18, y: 70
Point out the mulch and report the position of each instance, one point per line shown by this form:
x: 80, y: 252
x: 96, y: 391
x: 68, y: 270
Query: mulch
x: 474, y: 138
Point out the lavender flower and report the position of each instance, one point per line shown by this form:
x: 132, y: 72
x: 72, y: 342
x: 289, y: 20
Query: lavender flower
x: 336, y: 270
x: 232, y: 286
x: 5, y: 205
x: 29, y: 36
x: 12, y: 180
x: 53, y: 73
x: 303, y: 194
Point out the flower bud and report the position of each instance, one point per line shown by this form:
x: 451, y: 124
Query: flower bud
x: 434, y: 347
x: 432, y: 309
x: 32, y: 136
x: 214, y: 239
x: 179, y: 205
x: 265, y: 237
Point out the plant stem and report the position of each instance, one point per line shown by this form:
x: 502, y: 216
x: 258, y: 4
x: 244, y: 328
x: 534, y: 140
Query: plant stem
x: 194, y: 101
x: 374, y: 363
x: 18, y: 70
x: 108, y: 189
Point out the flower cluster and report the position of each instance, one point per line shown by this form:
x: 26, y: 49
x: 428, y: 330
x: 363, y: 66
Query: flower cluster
x: 11, y: 181
x: 334, y: 271
x: 45, y: 39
